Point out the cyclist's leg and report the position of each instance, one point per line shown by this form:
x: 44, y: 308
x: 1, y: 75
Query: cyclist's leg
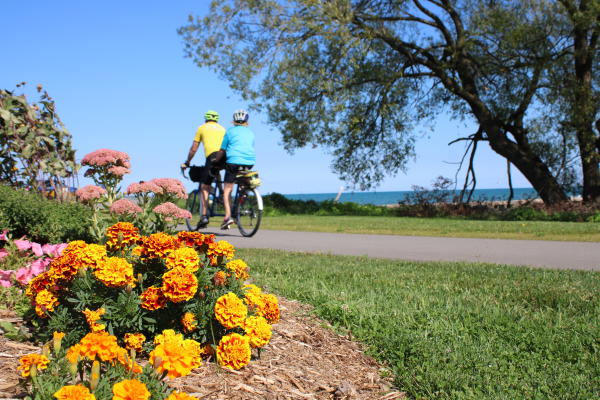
x: 207, y: 180
x: 228, y: 181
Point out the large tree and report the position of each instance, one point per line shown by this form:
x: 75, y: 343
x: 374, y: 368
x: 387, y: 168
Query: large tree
x: 356, y: 75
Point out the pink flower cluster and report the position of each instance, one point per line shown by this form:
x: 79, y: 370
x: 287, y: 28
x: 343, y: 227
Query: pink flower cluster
x: 143, y: 187
x: 170, y: 186
x: 169, y: 209
x: 103, y: 157
x: 125, y: 206
x: 159, y: 186
x: 90, y: 192
x: 23, y: 275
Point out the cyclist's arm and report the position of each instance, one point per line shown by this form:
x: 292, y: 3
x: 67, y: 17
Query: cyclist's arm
x: 192, y: 152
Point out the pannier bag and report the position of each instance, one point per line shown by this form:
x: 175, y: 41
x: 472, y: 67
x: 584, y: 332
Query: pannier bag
x: 196, y: 173
x: 250, y: 179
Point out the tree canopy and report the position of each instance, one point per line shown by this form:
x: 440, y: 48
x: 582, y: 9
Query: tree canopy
x: 356, y: 76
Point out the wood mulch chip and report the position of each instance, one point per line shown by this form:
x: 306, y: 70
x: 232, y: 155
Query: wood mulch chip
x: 304, y: 360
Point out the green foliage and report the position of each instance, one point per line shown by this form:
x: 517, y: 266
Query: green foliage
x: 33, y: 142
x: 43, y: 220
x: 455, y: 330
x: 277, y: 204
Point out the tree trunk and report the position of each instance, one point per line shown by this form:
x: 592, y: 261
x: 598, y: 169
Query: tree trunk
x: 536, y: 172
x: 583, y: 112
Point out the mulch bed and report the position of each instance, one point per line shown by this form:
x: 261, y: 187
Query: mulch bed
x: 304, y: 360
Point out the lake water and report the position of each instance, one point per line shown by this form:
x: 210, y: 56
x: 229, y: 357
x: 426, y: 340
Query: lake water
x: 381, y: 198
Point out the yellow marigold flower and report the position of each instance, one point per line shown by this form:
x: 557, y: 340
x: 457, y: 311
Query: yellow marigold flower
x: 258, y: 331
x: 230, y: 311
x: 167, y: 334
x: 240, y: 268
x: 74, y: 246
x: 92, y: 255
x: 178, y: 357
x: 268, y: 308
x: 115, y: 272
x: 99, y: 344
x: 189, y: 322
x: 128, y: 362
x: 185, y: 257
x: 92, y: 316
x: 220, y: 278
x: 153, y: 299
x: 74, y: 392
x: 45, y: 301
x: 130, y: 389
x: 121, y: 234
x: 233, y: 351
x: 176, y: 395
x: 252, y: 296
x: 179, y: 284
x: 250, y: 288
x: 137, y: 251
x: 134, y: 341
x: 39, y: 360
x: 58, y: 335
x: 221, y: 249
x: 158, y: 245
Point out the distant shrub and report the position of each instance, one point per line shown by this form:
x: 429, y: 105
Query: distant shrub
x: 40, y: 219
x: 524, y: 213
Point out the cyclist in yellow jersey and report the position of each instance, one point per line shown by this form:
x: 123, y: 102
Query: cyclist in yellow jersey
x: 211, y: 135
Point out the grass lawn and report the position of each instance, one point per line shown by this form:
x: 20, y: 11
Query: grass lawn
x: 537, y: 230
x: 454, y: 330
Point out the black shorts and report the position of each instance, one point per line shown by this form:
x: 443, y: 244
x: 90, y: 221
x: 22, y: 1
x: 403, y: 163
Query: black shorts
x: 231, y: 170
x: 210, y: 170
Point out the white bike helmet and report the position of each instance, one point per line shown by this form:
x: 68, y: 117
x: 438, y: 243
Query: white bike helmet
x: 240, y: 116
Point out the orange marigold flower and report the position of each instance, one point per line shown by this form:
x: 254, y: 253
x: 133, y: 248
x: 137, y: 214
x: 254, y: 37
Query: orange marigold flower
x: 65, y: 267
x: 134, y: 341
x: 91, y: 255
x: 258, y: 331
x: 268, y: 307
x: 42, y: 281
x: 45, y: 301
x: 176, y: 395
x: 74, y: 353
x: 179, y: 284
x: 74, y: 392
x: 92, y: 316
x: 220, y: 249
x: 115, y: 272
x: 189, y: 322
x: 233, y: 351
x: 99, y: 344
x: 153, y: 299
x: 252, y: 296
x: 185, y: 257
x: 39, y: 360
x: 220, y: 278
x: 194, y: 239
x: 240, y: 268
x: 158, y: 245
x: 121, y: 234
x: 137, y: 251
x: 130, y: 389
x: 128, y: 362
x: 230, y: 311
x: 178, y: 357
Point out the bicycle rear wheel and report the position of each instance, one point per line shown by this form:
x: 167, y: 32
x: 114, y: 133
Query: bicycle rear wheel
x: 193, y: 205
x: 249, y: 211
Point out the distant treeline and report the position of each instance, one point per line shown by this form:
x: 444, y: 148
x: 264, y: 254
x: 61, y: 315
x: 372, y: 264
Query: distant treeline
x: 278, y: 204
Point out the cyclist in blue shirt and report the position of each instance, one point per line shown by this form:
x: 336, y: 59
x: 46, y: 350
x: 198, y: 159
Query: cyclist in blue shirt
x: 238, y: 144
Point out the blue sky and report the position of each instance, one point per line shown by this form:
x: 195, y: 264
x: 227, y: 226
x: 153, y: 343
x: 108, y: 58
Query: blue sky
x: 119, y: 78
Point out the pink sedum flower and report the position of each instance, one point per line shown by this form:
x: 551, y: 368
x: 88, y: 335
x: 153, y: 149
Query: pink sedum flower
x: 90, y: 192
x: 125, y: 206
x: 169, y: 209
x: 170, y: 186
x: 5, y: 276
x: 22, y: 245
x: 143, y: 187
x: 118, y: 171
x: 103, y: 157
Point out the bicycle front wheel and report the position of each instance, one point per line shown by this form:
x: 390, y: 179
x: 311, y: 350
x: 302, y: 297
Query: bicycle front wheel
x: 249, y: 215
x: 193, y: 205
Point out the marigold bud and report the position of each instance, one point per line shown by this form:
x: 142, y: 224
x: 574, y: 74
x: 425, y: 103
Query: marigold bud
x: 33, y: 371
x: 95, y: 376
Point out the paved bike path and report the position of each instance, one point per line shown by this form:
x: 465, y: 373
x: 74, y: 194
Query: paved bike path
x: 535, y: 253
